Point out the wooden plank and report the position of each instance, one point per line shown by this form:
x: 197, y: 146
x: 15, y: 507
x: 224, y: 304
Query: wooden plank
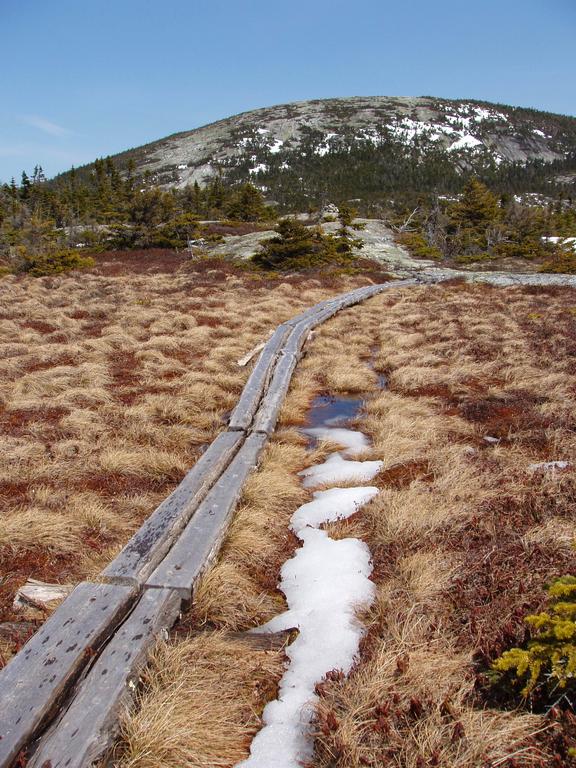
x: 267, y: 416
x: 315, y: 310
x: 87, y: 728
x: 200, y: 541
x: 35, y: 680
x: 153, y: 540
x: 243, y: 413
x: 256, y: 641
x: 271, y: 405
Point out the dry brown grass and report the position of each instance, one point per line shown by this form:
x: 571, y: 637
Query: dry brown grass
x: 112, y: 382
x: 201, y: 703
x: 464, y: 537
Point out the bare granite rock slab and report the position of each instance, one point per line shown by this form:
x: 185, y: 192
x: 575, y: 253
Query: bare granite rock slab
x: 34, y: 681
x: 89, y: 724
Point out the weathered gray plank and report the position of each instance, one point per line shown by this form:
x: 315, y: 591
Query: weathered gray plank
x: 267, y: 415
x: 34, y: 681
x: 153, y: 540
x: 243, y: 413
x: 269, y: 410
x: 201, y: 539
x: 257, y: 641
x: 87, y: 727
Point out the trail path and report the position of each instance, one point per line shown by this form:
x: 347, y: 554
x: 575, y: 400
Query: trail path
x: 63, y: 692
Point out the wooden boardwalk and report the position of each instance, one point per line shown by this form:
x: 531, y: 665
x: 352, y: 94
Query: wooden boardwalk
x: 61, y: 695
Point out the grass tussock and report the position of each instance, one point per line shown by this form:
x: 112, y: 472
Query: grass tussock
x: 464, y: 534
x: 112, y: 383
x: 201, y: 704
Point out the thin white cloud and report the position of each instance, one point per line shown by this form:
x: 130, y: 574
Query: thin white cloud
x: 46, y: 126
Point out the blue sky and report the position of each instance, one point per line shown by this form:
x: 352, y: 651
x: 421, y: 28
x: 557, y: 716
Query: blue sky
x: 85, y: 78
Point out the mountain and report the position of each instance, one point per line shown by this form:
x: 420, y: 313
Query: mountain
x: 367, y: 147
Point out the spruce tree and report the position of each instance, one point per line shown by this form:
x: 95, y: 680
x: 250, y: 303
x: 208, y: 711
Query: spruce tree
x: 294, y: 247
x: 345, y: 241
x: 25, y: 186
x: 477, y: 208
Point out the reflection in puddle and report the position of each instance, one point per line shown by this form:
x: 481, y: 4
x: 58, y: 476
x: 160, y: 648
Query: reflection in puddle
x: 331, y: 411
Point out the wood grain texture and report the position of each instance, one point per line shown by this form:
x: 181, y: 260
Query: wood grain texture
x: 153, y: 540
x: 200, y: 541
x: 267, y: 415
x: 35, y: 680
x: 243, y: 413
x: 87, y: 728
x: 167, y: 555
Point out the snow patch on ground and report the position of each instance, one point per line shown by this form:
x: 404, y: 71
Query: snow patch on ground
x: 276, y: 146
x: 351, y: 440
x: 325, y: 583
x: 407, y: 130
x: 567, y: 241
x: 330, y: 505
x: 468, y: 115
x: 465, y: 142
x: 325, y: 147
x: 258, y: 168
x: 339, y: 470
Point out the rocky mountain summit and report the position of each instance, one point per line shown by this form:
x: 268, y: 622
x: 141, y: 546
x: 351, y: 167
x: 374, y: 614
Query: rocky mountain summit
x: 348, y: 147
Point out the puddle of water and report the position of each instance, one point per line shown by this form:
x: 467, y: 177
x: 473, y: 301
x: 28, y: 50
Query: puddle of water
x: 382, y: 378
x: 332, y: 411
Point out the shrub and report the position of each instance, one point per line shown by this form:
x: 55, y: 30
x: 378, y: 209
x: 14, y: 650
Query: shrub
x: 564, y: 262
x: 546, y: 667
x: 297, y: 247
x: 418, y: 246
x: 52, y: 261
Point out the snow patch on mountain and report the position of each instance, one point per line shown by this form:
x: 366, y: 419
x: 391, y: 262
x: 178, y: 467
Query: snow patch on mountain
x: 465, y: 142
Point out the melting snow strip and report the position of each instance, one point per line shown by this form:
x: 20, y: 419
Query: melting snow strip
x: 351, y: 440
x: 324, y: 583
x: 339, y: 470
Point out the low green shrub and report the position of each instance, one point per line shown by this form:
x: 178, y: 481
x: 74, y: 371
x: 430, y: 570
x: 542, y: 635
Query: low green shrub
x: 52, y: 261
x: 418, y: 246
x: 563, y: 263
x: 545, y: 670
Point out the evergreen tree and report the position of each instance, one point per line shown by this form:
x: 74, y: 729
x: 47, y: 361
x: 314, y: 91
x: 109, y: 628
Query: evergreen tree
x: 294, y: 247
x: 25, y: 186
x: 247, y: 204
x: 477, y: 208
x: 345, y: 242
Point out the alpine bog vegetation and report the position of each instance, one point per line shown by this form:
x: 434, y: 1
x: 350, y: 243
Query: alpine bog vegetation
x: 464, y: 534
x: 112, y: 383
